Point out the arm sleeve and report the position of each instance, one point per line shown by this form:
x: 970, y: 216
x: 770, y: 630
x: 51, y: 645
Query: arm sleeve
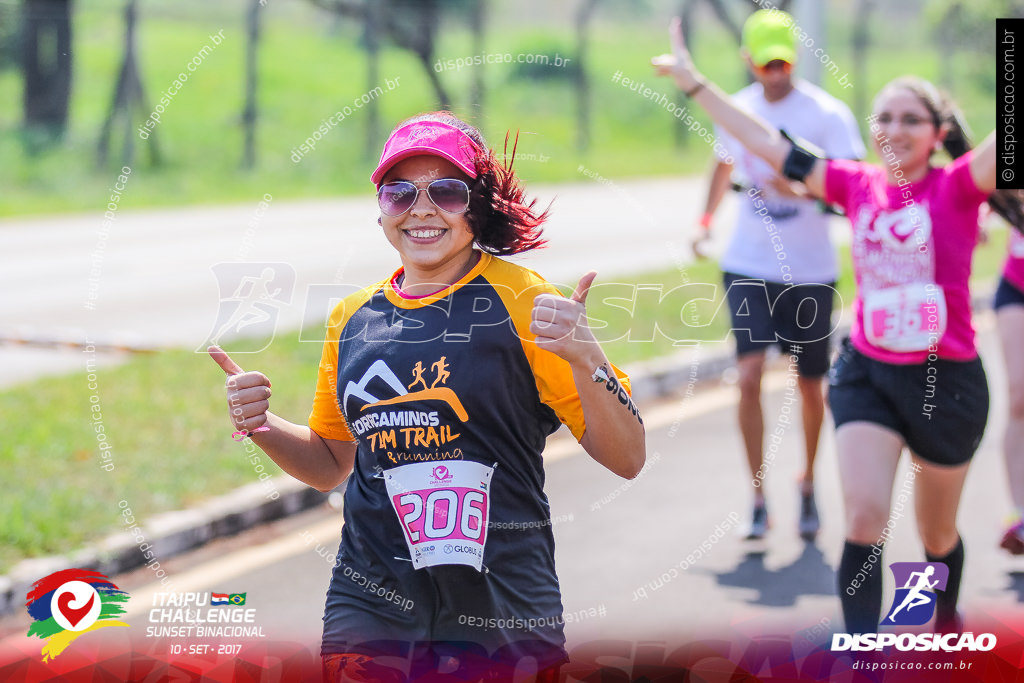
x: 961, y: 184
x: 840, y: 174
x: 327, y: 418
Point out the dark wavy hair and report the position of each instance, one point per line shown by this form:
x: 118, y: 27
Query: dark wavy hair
x: 502, y: 220
x: 1007, y: 203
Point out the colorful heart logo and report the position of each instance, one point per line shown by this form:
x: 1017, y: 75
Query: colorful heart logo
x: 72, y: 614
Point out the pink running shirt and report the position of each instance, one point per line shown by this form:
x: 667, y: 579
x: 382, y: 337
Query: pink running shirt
x: 920, y: 232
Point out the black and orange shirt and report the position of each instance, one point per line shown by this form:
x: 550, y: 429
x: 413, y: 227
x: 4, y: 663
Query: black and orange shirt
x: 450, y: 402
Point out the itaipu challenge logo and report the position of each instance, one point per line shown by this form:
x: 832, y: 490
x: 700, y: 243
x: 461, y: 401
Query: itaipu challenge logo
x: 72, y: 602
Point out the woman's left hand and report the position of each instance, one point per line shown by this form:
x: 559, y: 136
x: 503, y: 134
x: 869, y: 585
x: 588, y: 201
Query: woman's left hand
x: 561, y: 324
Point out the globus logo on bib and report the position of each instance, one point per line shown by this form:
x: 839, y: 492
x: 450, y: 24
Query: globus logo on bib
x: 913, y: 605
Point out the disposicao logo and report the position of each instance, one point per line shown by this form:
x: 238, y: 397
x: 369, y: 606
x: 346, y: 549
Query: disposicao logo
x: 913, y: 605
x: 68, y: 603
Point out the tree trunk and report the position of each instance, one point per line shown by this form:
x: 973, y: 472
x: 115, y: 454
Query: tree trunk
x: 582, y: 81
x: 249, y: 111
x: 443, y: 98
x: 477, y: 89
x: 372, y: 30
x: 128, y: 96
x: 723, y: 15
x: 46, y: 64
x: 860, y: 41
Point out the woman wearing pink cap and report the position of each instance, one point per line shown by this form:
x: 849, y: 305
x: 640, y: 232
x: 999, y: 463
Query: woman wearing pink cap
x: 909, y: 375
x: 437, y: 389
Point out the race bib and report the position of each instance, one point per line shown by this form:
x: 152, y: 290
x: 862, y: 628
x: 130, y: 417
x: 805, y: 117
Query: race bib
x: 443, y: 510
x: 905, y: 317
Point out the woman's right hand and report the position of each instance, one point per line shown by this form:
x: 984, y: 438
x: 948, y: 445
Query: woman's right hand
x: 248, y: 393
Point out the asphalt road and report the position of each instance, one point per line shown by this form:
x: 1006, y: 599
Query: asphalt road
x: 616, y: 538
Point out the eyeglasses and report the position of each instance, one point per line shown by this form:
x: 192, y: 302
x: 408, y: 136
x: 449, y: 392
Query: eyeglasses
x: 908, y: 120
x: 451, y: 195
x: 775, y: 65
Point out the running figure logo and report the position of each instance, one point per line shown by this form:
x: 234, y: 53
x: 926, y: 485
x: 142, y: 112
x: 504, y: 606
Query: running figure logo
x: 914, y: 603
x: 251, y: 298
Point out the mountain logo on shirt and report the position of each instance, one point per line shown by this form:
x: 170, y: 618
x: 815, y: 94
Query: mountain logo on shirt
x: 380, y: 370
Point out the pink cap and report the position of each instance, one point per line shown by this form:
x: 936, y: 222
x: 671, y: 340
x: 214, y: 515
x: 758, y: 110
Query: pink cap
x: 428, y: 137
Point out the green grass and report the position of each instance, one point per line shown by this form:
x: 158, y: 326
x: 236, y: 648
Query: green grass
x: 311, y: 67
x: 166, y: 419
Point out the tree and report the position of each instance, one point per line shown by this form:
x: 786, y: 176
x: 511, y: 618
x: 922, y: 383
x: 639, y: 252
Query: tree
x: 128, y: 96
x: 46, y: 64
x: 411, y: 24
x: 967, y: 27
x: 249, y: 109
x: 584, y: 13
x: 860, y: 39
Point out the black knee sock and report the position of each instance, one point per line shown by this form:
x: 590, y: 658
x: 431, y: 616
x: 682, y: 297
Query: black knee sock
x: 945, y: 601
x: 860, y: 587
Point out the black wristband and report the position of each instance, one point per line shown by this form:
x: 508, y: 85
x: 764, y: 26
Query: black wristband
x: 800, y: 160
x: 694, y: 90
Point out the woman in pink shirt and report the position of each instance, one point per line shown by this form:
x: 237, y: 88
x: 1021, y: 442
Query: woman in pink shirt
x: 909, y: 375
x: 1009, y: 305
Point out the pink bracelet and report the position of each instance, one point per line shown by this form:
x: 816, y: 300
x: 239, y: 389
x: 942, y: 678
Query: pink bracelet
x: 239, y: 435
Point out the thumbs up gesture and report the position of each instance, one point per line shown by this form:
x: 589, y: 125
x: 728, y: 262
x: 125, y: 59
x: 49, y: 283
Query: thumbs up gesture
x: 247, y: 392
x: 560, y: 324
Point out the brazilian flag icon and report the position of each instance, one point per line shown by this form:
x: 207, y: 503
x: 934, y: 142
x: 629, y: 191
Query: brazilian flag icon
x: 237, y: 598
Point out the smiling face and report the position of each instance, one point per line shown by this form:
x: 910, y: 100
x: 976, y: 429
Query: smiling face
x: 911, y: 131
x: 436, y: 247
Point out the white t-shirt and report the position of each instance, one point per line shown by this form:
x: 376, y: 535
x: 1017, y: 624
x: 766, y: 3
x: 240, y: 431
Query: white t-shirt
x: 775, y: 236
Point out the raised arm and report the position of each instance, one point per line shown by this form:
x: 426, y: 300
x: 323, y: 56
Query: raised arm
x: 983, y: 164
x: 750, y: 130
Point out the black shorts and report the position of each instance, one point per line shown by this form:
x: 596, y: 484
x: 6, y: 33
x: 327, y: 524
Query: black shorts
x: 1007, y: 295
x: 797, y: 317
x: 940, y: 408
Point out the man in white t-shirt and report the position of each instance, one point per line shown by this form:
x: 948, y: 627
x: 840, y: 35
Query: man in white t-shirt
x: 780, y: 267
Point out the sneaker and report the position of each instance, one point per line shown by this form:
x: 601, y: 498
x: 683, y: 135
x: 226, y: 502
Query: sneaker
x: 809, y: 523
x: 759, y: 523
x: 1013, y: 539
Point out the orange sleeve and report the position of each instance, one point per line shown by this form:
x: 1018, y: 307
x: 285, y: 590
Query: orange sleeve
x: 326, y: 418
x: 517, y: 287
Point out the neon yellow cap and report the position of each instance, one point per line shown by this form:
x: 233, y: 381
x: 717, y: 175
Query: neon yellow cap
x: 768, y: 35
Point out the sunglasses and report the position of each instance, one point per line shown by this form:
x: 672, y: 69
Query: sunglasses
x: 775, y: 65
x: 451, y: 195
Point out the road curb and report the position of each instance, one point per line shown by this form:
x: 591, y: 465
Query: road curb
x: 172, y: 533
x: 167, y: 535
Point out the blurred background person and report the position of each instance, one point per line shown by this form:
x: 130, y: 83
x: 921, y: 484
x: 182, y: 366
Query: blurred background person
x: 780, y: 239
